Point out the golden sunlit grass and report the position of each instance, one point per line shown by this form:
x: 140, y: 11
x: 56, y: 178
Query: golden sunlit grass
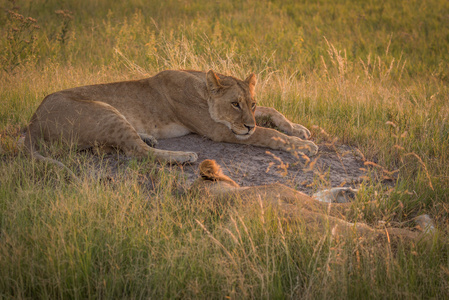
x: 371, y: 75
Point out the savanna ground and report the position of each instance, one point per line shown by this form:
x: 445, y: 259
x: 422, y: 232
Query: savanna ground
x: 371, y: 75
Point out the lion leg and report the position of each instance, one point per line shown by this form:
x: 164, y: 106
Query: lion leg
x: 295, y: 206
x: 92, y: 123
x: 267, y: 137
x: 320, y: 215
x: 319, y: 222
x: 280, y: 121
x: 134, y: 144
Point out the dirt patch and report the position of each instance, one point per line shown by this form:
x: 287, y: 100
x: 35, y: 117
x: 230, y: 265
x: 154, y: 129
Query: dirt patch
x: 249, y: 165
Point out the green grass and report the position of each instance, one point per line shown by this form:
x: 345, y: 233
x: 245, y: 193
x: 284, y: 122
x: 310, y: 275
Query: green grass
x: 373, y: 75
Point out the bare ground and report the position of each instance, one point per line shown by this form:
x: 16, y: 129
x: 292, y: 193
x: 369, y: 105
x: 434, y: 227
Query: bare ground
x: 334, y: 165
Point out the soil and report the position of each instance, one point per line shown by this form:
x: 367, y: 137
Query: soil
x: 334, y: 165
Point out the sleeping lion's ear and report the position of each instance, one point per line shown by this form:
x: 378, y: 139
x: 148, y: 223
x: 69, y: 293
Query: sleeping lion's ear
x: 213, y: 82
x: 251, y: 80
x: 209, y: 169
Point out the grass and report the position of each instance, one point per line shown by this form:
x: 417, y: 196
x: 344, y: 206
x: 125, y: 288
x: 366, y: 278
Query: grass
x: 373, y: 75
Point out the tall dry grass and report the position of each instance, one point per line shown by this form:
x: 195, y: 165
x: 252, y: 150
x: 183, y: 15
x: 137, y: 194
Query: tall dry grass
x: 373, y: 75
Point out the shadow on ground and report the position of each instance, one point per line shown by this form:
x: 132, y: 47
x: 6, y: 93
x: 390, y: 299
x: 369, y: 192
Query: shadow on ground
x: 334, y: 165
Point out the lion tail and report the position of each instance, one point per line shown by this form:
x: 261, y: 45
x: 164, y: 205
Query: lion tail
x: 30, y: 146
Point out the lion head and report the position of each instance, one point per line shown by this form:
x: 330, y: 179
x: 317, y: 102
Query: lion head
x: 231, y: 102
x: 211, y: 171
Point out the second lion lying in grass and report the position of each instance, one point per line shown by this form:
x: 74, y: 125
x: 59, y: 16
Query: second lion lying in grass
x: 296, y: 206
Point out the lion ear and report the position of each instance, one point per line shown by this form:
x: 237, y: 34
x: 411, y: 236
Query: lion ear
x: 213, y: 82
x: 251, y: 80
x: 209, y: 169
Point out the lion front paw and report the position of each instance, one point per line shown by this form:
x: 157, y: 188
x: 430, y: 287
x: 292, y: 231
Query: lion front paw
x: 187, y: 157
x: 313, y: 149
x: 300, y: 131
x: 306, y: 147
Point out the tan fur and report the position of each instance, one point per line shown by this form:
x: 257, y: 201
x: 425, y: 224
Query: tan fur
x: 293, y: 205
x: 169, y: 104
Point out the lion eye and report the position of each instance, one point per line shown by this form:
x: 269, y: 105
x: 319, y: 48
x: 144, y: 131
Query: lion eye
x: 235, y: 104
x: 253, y: 106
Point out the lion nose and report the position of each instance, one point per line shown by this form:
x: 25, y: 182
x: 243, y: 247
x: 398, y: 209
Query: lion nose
x: 249, y: 127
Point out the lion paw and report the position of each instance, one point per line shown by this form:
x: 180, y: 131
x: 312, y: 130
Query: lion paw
x: 178, y: 157
x: 308, y: 148
x: 300, y: 131
x: 426, y: 223
x: 336, y: 195
x: 301, y: 146
x: 193, y: 157
x: 148, y: 139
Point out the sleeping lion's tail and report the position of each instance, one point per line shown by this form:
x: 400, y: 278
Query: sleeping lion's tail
x: 210, y: 170
x: 30, y: 146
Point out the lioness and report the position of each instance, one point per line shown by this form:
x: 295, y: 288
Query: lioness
x: 296, y: 206
x: 131, y: 115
